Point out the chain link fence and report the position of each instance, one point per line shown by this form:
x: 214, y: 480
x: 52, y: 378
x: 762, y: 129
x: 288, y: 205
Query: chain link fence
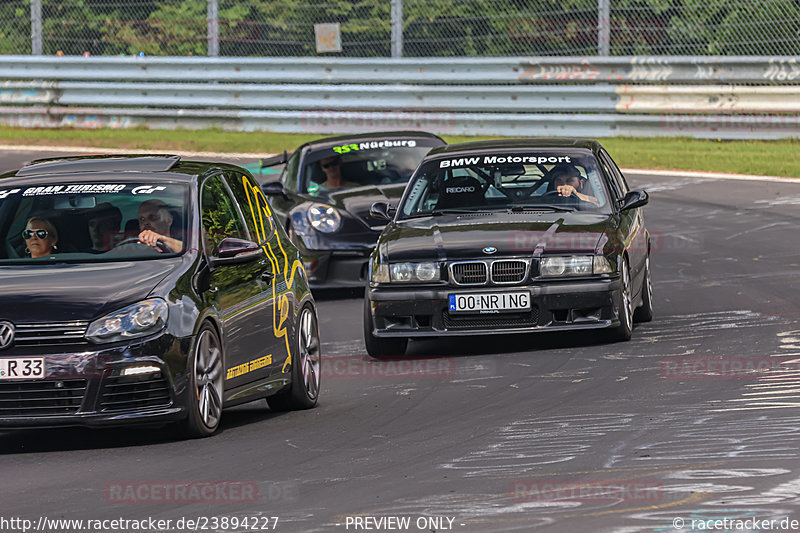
x: 409, y: 28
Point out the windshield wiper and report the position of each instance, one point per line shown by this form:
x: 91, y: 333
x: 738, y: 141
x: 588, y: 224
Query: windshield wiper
x: 440, y: 212
x: 560, y: 208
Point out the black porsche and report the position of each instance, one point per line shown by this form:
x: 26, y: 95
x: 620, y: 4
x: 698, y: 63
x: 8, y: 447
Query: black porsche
x: 509, y: 236
x: 147, y: 289
x: 324, y: 194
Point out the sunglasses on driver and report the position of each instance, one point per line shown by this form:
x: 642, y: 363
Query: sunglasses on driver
x: 29, y: 233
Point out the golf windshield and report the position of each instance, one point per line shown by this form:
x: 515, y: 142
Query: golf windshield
x: 78, y: 221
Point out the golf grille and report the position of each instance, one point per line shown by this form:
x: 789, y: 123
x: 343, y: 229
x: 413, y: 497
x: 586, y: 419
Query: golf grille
x: 50, y: 334
x: 38, y: 398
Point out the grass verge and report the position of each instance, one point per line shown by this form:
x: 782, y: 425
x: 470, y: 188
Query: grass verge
x: 776, y: 158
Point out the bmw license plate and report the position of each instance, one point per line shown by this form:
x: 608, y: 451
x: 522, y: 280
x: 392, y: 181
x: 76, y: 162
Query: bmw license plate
x: 22, y: 368
x: 490, y: 302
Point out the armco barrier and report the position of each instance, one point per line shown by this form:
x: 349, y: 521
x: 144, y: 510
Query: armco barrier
x: 475, y: 71
x: 334, y: 121
x: 714, y: 97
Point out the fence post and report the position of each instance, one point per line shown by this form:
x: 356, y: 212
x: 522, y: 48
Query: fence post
x: 397, y: 28
x: 36, y: 27
x: 603, y: 27
x: 213, y: 28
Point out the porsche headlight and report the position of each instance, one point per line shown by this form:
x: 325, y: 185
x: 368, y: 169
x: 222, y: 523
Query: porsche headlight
x: 414, y: 272
x: 324, y: 218
x: 574, y: 265
x: 137, y: 320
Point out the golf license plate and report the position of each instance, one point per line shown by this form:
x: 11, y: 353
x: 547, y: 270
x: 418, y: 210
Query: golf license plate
x: 490, y: 302
x: 21, y: 368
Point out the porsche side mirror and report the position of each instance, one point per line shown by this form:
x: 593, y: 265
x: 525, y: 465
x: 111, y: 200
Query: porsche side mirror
x: 274, y: 188
x: 635, y: 198
x: 382, y: 210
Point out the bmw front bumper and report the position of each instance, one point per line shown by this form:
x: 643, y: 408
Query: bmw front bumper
x: 556, y: 305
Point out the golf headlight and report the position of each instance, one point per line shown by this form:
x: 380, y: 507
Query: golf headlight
x: 414, y: 272
x: 574, y: 265
x: 137, y: 320
x: 324, y: 218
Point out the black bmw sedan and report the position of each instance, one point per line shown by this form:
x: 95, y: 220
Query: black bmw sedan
x: 147, y: 289
x: 510, y: 236
x: 325, y: 191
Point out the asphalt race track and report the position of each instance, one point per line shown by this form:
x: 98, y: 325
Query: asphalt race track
x: 695, y: 418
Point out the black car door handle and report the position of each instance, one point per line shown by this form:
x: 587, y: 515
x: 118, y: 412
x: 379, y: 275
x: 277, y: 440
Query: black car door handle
x: 267, y: 275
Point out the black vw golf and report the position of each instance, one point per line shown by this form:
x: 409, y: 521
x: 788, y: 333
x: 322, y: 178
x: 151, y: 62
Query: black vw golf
x: 325, y: 191
x: 509, y: 237
x: 147, y: 289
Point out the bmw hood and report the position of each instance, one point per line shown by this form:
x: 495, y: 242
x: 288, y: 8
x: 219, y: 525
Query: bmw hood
x: 72, y: 292
x: 452, y: 237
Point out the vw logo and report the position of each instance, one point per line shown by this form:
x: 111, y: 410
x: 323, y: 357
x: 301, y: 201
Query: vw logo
x: 6, y: 334
x: 489, y: 250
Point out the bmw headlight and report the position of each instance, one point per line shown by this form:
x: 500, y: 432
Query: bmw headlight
x: 602, y: 265
x: 574, y: 265
x: 414, y: 272
x: 324, y: 218
x: 379, y: 273
x: 137, y: 320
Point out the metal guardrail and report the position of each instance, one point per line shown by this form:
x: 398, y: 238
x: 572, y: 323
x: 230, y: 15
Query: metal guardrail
x: 489, y: 124
x: 724, y: 97
x: 683, y: 99
x: 462, y: 71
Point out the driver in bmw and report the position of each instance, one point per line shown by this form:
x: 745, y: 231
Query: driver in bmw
x: 568, y: 181
x: 155, y: 223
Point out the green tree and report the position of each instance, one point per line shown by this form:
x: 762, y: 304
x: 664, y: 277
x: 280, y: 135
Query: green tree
x: 15, y: 27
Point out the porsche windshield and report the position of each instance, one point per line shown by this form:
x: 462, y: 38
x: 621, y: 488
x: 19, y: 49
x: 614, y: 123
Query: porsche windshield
x: 77, y: 221
x: 365, y: 163
x: 540, y: 180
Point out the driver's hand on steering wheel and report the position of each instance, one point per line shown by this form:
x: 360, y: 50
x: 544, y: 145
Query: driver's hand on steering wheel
x: 566, y: 190
x: 150, y: 238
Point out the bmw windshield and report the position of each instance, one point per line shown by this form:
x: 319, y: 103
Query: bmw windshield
x: 73, y: 220
x: 515, y: 181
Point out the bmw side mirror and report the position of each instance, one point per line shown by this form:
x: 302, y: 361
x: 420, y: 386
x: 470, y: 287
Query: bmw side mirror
x: 274, y: 188
x: 275, y: 160
x: 635, y: 198
x: 233, y: 251
x: 382, y: 210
